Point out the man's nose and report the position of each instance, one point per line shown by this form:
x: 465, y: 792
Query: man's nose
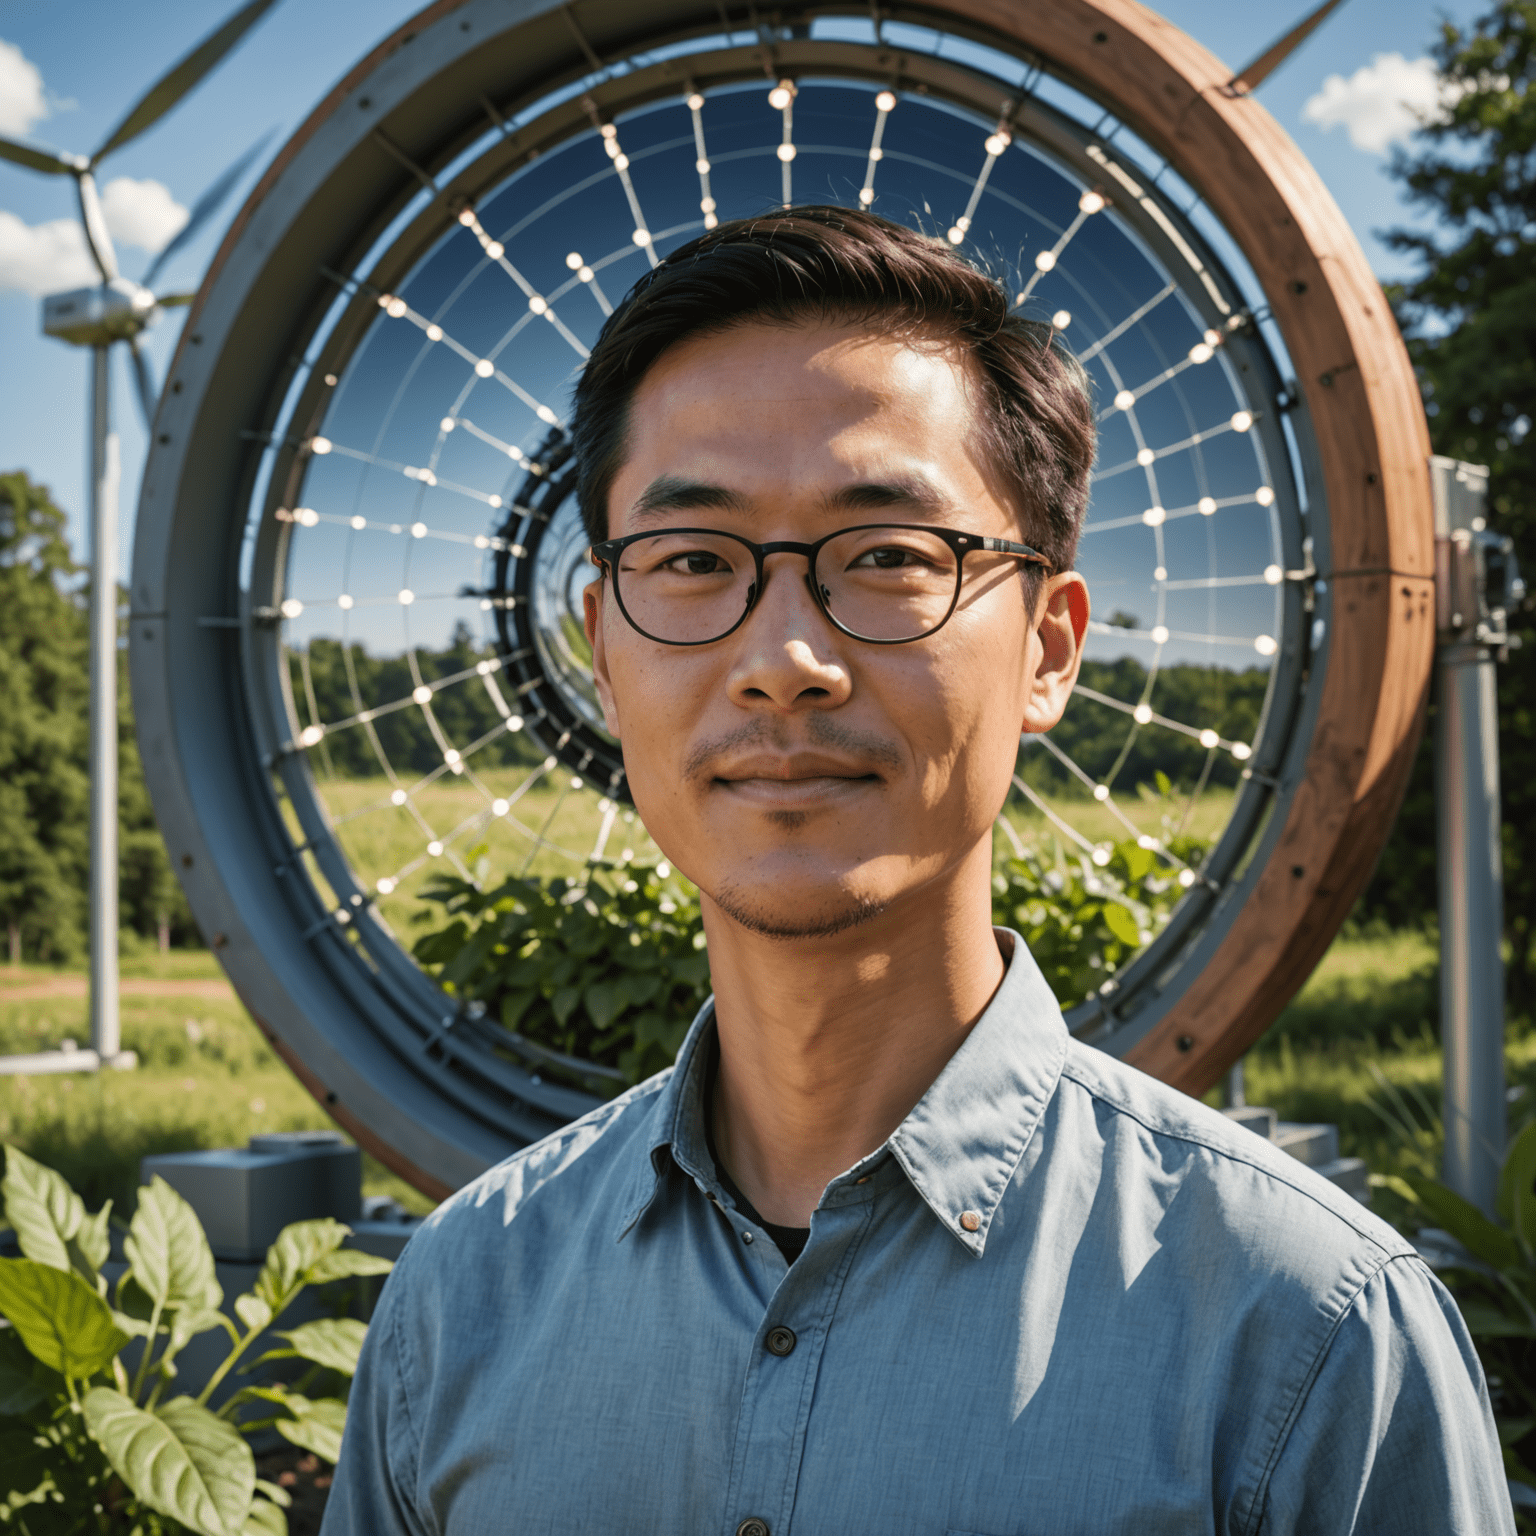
x: 790, y: 656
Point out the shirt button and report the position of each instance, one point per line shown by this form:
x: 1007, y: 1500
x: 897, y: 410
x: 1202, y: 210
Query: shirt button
x: 780, y: 1340
x: 752, y: 1526
x: 970, y: 1220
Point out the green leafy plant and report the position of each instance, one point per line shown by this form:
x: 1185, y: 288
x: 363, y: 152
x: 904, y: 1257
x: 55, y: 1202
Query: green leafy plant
x: 596, y: 981
x: 1494, y: 1286
x: 90, y: 1440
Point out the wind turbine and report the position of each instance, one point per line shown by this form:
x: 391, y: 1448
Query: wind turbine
x: 116, y: 310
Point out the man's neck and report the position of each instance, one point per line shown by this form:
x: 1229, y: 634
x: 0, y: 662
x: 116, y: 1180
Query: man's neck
x: 826, y: 1044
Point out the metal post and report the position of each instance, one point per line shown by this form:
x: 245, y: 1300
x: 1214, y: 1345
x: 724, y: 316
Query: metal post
x: 106, y: 1035
x: 1476, y: 584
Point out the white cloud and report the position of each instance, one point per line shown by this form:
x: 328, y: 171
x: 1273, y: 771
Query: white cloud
x: 141, y: 213
x: 43, y: 258
x: 1381, y: 103
x: 22, y: 101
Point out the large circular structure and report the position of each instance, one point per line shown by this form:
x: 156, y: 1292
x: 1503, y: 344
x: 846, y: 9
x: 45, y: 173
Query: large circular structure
x: 356, y: 649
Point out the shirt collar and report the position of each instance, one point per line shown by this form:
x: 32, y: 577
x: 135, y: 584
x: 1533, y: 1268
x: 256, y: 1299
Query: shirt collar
x: 961, y: 1142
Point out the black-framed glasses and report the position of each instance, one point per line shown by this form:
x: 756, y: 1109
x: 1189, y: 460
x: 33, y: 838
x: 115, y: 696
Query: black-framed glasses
x: 884, y: 583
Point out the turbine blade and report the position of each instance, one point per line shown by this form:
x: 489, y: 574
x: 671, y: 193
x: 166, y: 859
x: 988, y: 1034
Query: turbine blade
x: 171, y: 87
x: 205, y: 207
x: 1251, y: 76
x: 148, y: 395
x: 50, y: 162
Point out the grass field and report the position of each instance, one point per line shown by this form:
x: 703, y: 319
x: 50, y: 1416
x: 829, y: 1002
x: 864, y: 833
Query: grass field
x: 1356, y: 1048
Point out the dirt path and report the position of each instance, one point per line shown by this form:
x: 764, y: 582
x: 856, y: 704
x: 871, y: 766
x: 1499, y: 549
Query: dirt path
x: 32, y: 991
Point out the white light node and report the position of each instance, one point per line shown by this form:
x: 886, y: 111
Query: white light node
x: 1090, y: 202
x: 359, y: 522
x: 395, y: 308
x: 586, y: 274
x: 1159, y: 634
x: 434, y: 848
x: 1154, y: 517
x: 545, y: 414
x: 1046, y: 260
x: 306, y: 516
x: 406, y: 597
x: 885, y: 101
x: 419, y: 530
x: 611, y: 148
x: 481, y: 542
x: 399, y: 797
x: 320, y: 445
x: 514, y: 722
x: 663, y: 870
x: 707, y: 204
x: 575, y: 781
x: 1241, y: 751
x: 702, y: 167
x: 1101, y: 791
x: 621, y: 162
x: 499, y: 807
x: 485, y: 368
x: 1213, y: 338
x: 422, y: 695
x: 1186, y: 878
x: 450, y: 757
x: 1265, y: 645
x: 1199, y: 353
x: 866, y: 195
x: 434, y: 333
x: 1159, y: 573
x: 956, y: 235
x: 779, y: 97
x: 331, y: 380
x: 1142, y: 714
x: 1242, y: 420
x: 291, y: 608
x: 538, y: 304
x: 495, y: 250
x: 1101, y: 857
x: 786, y: 152
x: 608, y: 131
x: 641, y: 237
x: 1062, y: 319
x: 1206, y: 505
x: 1209, y: 739
x: 448, y: 423
x: 1149, y: 843
x: 1273, y: 575
x: 344, y: 602
x: 695, y: 101
x: 1265, y: 496
x: 877, y: 155
x: 385, y: 300
x: 384, y: 885
x: 996, y: 144
x: 343, y: 917
x: 467, y: 218
x: 310, y: 735
x: 1124, y: 400
x: 1145, y: 456
x: 550, y: 762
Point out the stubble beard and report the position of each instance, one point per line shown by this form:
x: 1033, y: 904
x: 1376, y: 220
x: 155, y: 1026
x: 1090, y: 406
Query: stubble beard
x: 738, y: 904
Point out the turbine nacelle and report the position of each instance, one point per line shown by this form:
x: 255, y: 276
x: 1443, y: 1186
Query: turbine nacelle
x: 96, y: 317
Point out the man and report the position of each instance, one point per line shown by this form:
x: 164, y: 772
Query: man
x: 886, y: 1251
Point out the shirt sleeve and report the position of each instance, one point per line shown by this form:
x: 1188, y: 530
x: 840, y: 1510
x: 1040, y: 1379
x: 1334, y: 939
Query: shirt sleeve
x: 1395, y: 1433
x: 372, y: 1491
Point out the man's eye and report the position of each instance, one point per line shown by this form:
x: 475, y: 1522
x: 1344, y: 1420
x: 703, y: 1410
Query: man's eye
x: 697, y: 562
x: 886, y: 558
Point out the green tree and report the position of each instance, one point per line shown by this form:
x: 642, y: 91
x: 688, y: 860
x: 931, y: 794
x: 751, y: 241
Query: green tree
x: 1470, y: 322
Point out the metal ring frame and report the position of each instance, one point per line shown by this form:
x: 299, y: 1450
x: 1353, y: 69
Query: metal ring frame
x: 440, y: 114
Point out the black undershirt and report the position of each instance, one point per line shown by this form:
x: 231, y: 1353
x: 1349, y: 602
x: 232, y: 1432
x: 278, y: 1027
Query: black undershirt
x: 790, y: 1241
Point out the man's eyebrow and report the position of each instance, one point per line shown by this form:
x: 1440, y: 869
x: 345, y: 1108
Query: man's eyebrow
x: 668, y: 494
x: 898, y: 491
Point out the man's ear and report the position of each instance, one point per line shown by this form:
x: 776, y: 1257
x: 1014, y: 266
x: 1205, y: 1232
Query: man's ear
x: 592, y: 612
x: 1061, y: 625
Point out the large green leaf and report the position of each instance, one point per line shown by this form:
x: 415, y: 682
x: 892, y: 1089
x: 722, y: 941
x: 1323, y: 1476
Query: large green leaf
x: 345, y: 1263
x: 316, y: 1425
x: 169, y: 1254
x: 43, y: 1209
x: 333, y: 1342
x: 1479, y: 1236
x: 265, y: 1519
x: 1122, y: 923
x: 1517, y: 1187
x: 181, y: 1460
x: 91, y: 1246
x: 61, y: 1319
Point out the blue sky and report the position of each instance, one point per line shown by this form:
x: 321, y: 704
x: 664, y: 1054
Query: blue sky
x: 94, y: 58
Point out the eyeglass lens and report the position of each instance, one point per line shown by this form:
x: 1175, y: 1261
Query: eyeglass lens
x: 884, y: 583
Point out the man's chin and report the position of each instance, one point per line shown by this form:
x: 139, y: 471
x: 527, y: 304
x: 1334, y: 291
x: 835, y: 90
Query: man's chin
x: 778, y: 914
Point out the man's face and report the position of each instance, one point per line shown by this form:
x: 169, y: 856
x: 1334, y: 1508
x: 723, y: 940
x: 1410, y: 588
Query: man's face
x: 805, y: 780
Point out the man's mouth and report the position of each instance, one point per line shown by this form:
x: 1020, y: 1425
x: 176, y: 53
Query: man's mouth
x: 794, y: 779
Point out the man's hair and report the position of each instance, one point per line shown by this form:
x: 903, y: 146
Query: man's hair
x: 840, y: 265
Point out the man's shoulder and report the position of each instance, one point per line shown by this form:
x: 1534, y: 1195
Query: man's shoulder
x: 1264, y: 1197
x: 578, y: 1164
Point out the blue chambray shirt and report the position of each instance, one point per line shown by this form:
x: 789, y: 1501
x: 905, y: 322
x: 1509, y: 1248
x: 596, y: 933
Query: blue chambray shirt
x: 1159, y: 1324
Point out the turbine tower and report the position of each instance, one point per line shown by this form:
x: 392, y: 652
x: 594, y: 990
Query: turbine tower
x: 116, y: 310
